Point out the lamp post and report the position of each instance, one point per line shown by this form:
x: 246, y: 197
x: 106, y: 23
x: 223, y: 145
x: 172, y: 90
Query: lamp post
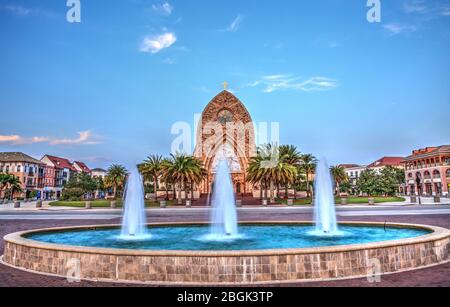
x: 419, y: 187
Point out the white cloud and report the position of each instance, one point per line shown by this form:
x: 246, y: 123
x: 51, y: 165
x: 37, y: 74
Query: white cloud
x: 84, y: 138
x: 154, y: 44
x: 165, y: 8
x: 395, y: 28
x: 415, y: 6
x: 235, y: 24
x: 18, y: 10
x: 272, y: 83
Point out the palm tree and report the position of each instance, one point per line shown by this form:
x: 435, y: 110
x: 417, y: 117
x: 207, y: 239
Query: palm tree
x: 115, y: 177
x: 308, y: 166
x: 4, y: 178
x: 184, y: 169
x: 290, y: 155
x: 269, y: 166
x: 166, y: 164
x: 14, y: 185
x: 151, y: 169
x: 339, y: 176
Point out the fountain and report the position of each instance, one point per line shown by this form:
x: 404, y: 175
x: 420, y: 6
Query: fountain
x: 224, y: 216
x: 134, y: 220
x: 324, y: 208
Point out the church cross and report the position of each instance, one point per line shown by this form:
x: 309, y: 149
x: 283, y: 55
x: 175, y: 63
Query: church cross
x: 225, y: 85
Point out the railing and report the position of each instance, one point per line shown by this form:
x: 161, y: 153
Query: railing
x: 423, y: 166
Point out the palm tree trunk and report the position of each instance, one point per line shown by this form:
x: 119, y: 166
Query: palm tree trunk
x: 167, y: 190
x: 272, y: 199
x: 307, y: 184
x: 261, y: 190
x: 155, y: 186
x: 180, y: 200
x: 115, y: 192
x: 286, y: 191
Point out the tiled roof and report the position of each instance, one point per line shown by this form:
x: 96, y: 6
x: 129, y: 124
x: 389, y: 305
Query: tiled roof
x: 61, y: 162
x: 83, y: 166
x: 387, y: 161
x: 429, y: 151
x: 17, y: 157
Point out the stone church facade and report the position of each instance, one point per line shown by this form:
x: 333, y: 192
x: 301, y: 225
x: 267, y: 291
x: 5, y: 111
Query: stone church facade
x: 226, y: 131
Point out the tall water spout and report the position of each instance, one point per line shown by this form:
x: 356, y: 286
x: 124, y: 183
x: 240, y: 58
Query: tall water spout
x: 224, y: 216
x: 134, y: 219
x: 324, y: 208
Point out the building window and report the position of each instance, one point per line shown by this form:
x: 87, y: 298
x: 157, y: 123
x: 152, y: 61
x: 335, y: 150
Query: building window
x: 18, y: 168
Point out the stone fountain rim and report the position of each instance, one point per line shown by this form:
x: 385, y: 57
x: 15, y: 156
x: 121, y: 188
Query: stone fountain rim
x: 438, y: 233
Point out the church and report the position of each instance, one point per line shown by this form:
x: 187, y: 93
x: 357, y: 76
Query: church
x: 226, y: 131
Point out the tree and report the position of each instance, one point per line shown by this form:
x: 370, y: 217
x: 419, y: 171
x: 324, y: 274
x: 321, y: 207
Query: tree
x: 390, y: 179
x: 369, y: 183
x: 4, y: 180
x: 115, y: 177
x: 269, y: 166
x: 80, y: 185
x: 184, y: 169
x: 290, y: 155
x: 339, y: 176
x: 151, y: 169
x: 14, y: 185
x: 308, y: 167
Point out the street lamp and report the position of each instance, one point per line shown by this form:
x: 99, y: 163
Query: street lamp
x: 419, y: 186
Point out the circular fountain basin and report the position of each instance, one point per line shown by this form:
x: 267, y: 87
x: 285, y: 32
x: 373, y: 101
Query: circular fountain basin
x: 265, y: 252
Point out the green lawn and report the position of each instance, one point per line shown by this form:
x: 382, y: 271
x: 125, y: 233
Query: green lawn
x: 102, y: 204
x: 351, y: 200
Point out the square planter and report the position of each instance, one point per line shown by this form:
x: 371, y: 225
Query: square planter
x: 238, y: 203
x: 344, y: 201
x: 290, y: 202
x: 17, y: 204
x: 371, y: 201
x: 163, y: 204
x: 88, y: 205
x: 264, y: 202
x: 113, y: 204
x: 413, y: 199
x: 39, y: 204
x: 437, y: 199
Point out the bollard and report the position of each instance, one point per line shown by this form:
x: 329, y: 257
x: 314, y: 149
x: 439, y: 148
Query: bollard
x: 238, y: 203
x: 188, y: 204
x: 113, y: 204
x: 88, y: 205
x: 264, y: 202
x: 371, y: 201
x: 290, y: 202
x: 39, y: 204
x: 344, y: 201
x: 17, y: 204
x: 413, y: 199
x: 162, y: 203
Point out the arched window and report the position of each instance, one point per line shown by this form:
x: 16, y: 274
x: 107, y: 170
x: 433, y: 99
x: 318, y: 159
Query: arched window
x: 436, y: 174
x: 410, y: 175
x: 426, y: 174
x: 18, y: 168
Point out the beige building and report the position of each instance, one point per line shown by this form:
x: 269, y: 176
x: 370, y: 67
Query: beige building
x: 29, y: 171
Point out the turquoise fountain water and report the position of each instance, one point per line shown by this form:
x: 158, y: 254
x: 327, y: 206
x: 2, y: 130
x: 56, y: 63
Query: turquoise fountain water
x: 324, y: 207
x: 134, y: 220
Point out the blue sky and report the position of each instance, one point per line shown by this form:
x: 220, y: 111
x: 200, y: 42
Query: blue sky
x: 109, y: 89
